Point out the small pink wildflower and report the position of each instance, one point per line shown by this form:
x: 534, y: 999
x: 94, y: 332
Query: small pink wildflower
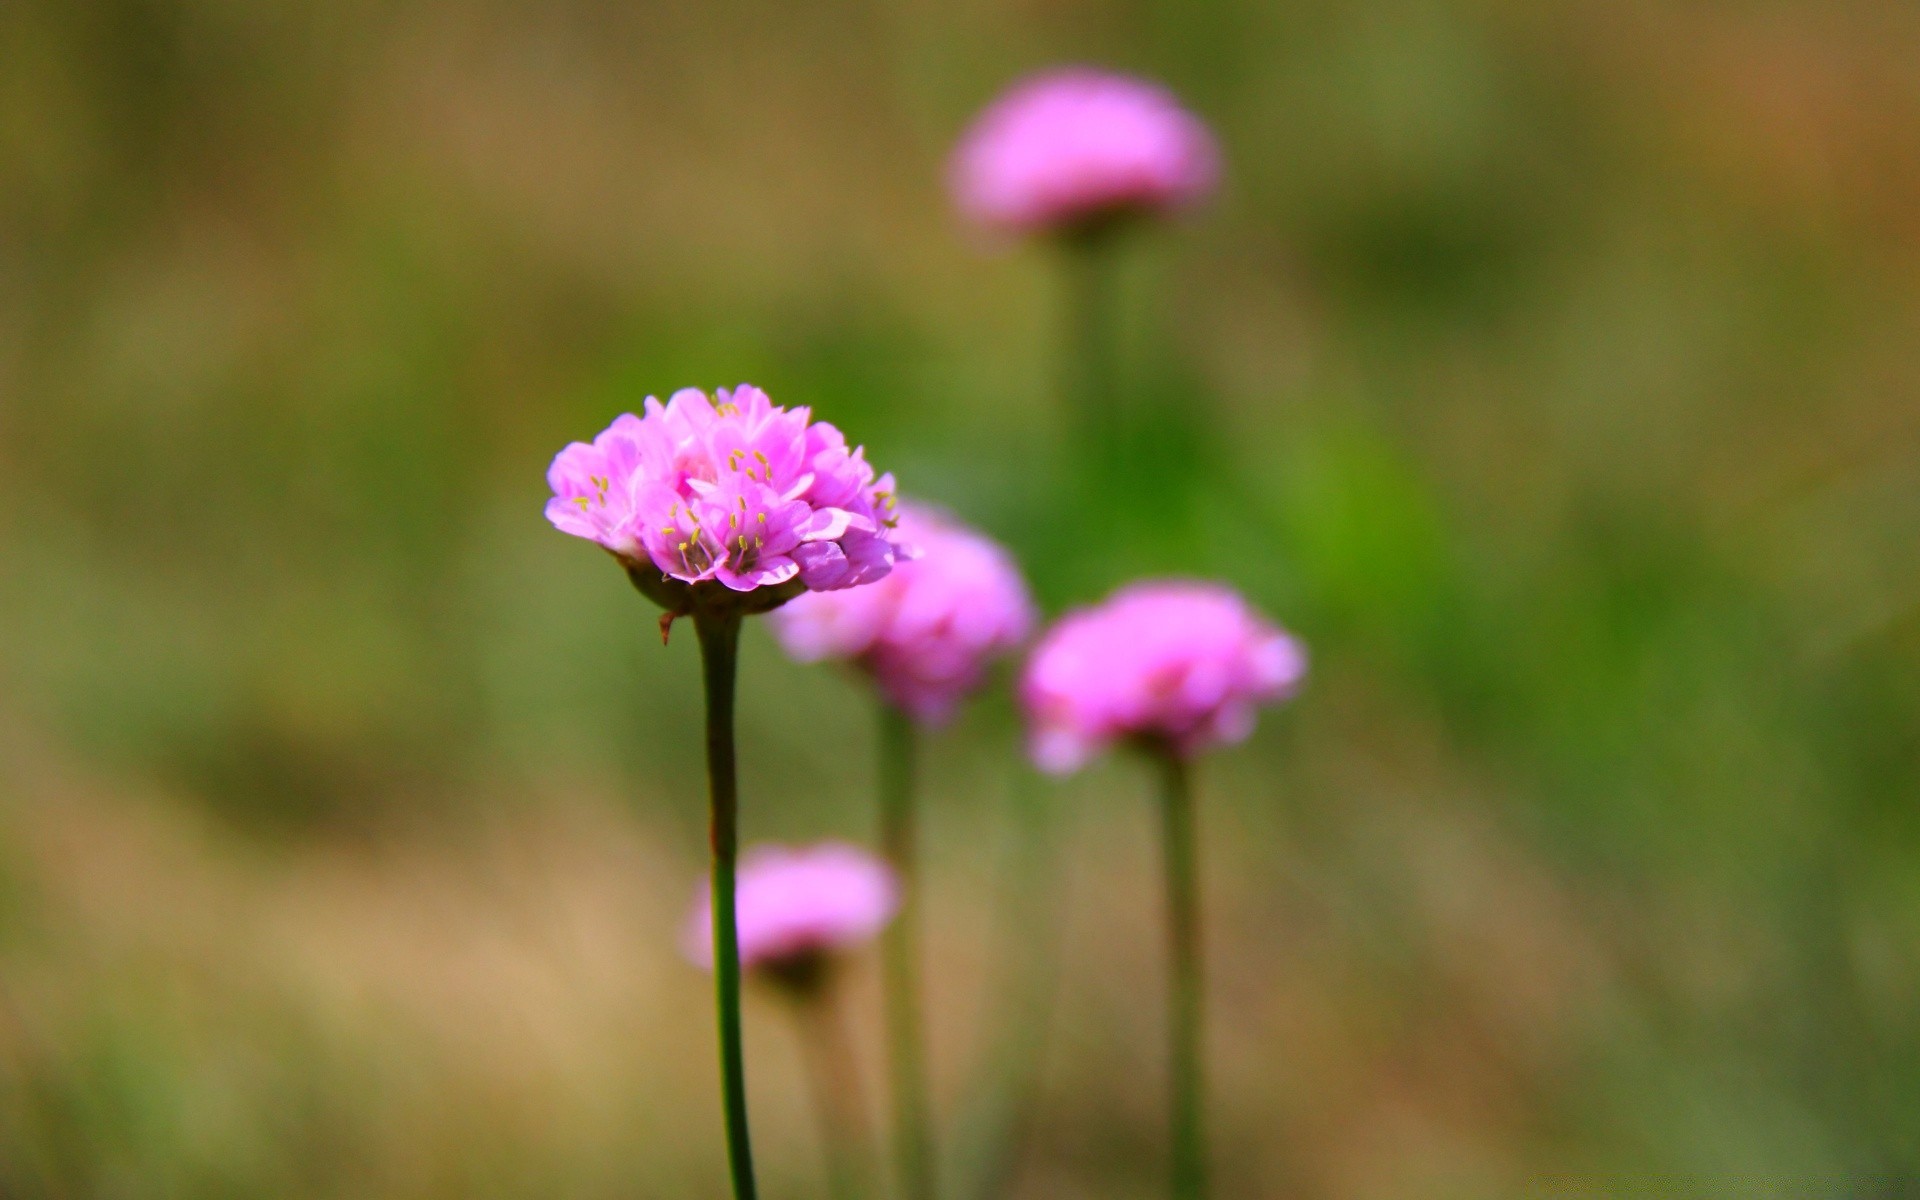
x: 929, y: 630
x: 796, y: 905
x: 1075, y: 146
x: 741, y: 491
x: 1177, y: 663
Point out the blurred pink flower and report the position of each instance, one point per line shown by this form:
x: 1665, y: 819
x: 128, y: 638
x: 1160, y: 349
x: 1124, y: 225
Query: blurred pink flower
x: 796, y: 904
x: 928, y: 631
x: 1073, y: 146
x: 1180, y: 663
x: 742, y: 491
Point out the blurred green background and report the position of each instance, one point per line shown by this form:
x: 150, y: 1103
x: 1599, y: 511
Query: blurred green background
x: 1550, y: 367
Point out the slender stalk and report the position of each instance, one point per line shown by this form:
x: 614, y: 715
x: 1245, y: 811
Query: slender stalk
x: 912, y: 1128
x: 1188, y: 1168
x: 719, y: 633
x: 1090, y: 364
x: 828, y: 1055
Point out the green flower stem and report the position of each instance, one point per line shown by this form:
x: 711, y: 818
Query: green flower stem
x: 719, y: 633
x: 827, y: 1052
x: 1189, y: 1171
x: 912, y: 1132
x: 1091, y: 359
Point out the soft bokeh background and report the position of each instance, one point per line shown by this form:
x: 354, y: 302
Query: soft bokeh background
x: 1550, y: 367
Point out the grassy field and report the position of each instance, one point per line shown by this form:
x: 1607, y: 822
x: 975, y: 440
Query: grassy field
x: 1550, y: 368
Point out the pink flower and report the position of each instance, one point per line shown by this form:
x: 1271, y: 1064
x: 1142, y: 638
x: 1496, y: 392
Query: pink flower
x: 1073, y: 146
x: 1177, y: 663
x: 795, y: 905
x: 742, y: 491
x: 928, y: 631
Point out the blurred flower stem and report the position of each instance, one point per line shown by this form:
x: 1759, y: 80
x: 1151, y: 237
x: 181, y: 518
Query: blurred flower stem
x: 1187, y: 1143
x: 1089, y: 365
x: 718, y: 628
x: 912, y: 1133
x: 827, y: 1052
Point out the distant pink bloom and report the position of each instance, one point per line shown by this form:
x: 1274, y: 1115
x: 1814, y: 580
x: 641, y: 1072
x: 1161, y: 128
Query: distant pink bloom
x: 742, y: 491
x: 795, y: 904
x: 929, y: 630
x: 1076, y: 145
x: 1180, y: 663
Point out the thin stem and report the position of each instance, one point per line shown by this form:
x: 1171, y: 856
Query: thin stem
x: 1092, y: 338
x: 1188, y: 1169
x: 912, y: 1132
x: 719, y: 633
x: 828, y: 1055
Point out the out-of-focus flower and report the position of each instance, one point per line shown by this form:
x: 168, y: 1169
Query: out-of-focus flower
x: 1174, y: 663
x: 929, y: 630
x: 1074, y: 147
x: 797, y: 905
x: 743, y: 492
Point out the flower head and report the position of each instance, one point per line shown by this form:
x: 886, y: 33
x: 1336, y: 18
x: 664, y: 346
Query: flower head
x: 1177, y: 663
x: 797, y: 905
x: 1072, y: 147
x: 742, y: 492
x: 928, y: 631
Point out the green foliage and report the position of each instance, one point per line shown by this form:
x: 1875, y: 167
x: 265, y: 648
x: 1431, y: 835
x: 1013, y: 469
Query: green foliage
x: 1551, y: 381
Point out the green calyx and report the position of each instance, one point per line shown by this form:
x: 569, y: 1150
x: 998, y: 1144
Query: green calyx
x: 709, y: 596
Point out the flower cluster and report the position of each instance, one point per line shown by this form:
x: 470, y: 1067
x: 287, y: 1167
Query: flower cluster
x: 725, y: 508
x: 928, y: 631
x: 797, y: 905
x: 1183, y: 664
x: 1074, y: 147
x: 741, y: 491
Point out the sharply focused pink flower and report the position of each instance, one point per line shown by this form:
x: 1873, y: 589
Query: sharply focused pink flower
x: 1178, y: 663
x: 1075, y: 146
x: 743, y: 491
x: 798, y: 904
x: 929, y: 630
